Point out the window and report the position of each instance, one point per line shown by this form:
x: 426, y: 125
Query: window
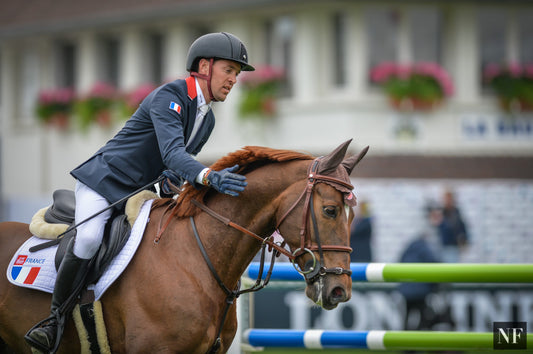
x: 279, y: 34
x: 525, y: 41
x: 492, y: 36
x: 339, y: 49
x: 505, y: 37
x: 27, y: 89
x: 404, y: 35
x: 382, y: 35
x: 66, y: 64
x: 154, y: 59
x: 109, y: 60
x: 426, y: 34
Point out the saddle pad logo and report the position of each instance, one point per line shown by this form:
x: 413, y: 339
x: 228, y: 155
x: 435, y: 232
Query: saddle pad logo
x: 25, y: 273
x: 20, y: 260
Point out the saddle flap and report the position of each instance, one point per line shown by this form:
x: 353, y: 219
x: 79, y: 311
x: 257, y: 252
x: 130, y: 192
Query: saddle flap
x: 62, y: 210
x: 116, y: 235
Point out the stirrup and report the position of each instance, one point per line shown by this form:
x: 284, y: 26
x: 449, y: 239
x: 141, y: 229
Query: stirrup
x: 60, y: 324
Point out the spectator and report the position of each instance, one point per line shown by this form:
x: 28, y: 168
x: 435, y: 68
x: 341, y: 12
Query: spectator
x: 454, y: 234
x: 424, y: 249
x: 361, y: 235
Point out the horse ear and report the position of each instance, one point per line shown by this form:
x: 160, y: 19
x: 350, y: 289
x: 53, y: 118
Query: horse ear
x: 352, y: 161
x: 330, y: 162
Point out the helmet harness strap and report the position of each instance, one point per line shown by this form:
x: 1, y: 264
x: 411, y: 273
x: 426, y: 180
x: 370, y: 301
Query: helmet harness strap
x: 207, y: 78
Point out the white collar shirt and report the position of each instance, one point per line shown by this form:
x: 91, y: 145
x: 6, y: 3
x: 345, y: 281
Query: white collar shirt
x: 201, y: 111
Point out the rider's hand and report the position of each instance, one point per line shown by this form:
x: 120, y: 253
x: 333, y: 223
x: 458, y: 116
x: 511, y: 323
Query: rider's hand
x: 172, y: 182
x: 226, y: 181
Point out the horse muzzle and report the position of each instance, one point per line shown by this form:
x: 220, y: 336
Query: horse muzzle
x: 327, y: 287
x: 329, y: 290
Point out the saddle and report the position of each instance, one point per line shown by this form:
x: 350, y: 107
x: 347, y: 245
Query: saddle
x: 52, y: 221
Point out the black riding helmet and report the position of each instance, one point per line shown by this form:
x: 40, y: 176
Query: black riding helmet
x: 213, y: 46
x: 220, y: 45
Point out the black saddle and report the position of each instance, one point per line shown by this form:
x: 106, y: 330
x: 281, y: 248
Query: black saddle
x: 116, y: 234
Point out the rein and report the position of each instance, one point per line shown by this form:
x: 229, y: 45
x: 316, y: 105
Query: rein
x: 242, y: 229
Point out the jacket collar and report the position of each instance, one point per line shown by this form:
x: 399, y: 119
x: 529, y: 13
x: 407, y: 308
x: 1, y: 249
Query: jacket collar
x: 191, y: 87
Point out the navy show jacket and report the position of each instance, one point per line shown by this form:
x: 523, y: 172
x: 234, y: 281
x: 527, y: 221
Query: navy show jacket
x: 152, y: 140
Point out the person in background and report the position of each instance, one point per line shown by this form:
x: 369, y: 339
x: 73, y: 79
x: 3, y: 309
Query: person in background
x: 361, y: 235
x: 454, y: 236
x: 425, y: 248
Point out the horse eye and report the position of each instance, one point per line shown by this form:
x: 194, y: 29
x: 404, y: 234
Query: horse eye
x: 330, y: 211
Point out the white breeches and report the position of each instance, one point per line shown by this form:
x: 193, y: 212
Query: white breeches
x: 89, y: 235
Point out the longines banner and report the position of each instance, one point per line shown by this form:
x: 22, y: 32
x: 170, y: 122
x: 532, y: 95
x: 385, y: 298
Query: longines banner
x: 457, y: 307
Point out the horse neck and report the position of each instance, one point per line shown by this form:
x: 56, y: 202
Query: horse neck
x: 255, y: 210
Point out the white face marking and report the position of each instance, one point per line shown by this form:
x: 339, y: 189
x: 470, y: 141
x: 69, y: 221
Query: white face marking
x: 347, y: 210
x: 319, y: 286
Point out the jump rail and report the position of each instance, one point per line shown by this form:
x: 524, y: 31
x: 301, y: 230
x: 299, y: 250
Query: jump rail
x: 373, y: 340
x: 417, y: 272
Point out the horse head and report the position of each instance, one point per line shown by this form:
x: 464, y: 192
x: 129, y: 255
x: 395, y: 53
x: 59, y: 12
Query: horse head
x: 317, y: 226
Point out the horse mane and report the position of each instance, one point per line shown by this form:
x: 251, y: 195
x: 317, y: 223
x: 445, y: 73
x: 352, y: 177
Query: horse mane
x: 248, y: 158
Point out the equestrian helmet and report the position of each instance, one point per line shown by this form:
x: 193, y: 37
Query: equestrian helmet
x: 220, y: 45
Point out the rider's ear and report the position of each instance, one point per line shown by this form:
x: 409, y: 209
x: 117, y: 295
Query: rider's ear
x: 352, y: 161
x: 330, y: 162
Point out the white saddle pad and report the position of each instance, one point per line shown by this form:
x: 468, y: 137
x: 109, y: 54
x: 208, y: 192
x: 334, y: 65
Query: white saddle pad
x: 36, y: 270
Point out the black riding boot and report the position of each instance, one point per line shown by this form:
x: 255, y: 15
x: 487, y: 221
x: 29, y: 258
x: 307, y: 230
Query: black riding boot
x: 71, y: 273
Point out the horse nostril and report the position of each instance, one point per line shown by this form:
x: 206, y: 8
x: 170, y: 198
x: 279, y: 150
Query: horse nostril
x: 338, y: 295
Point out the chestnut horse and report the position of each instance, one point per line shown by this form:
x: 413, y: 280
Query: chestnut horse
x: 169, y: 300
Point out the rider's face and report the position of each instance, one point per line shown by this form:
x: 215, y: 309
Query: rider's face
x: 224, y: 76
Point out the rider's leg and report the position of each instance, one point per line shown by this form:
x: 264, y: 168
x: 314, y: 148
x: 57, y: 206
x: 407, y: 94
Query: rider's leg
x: 73, y: 268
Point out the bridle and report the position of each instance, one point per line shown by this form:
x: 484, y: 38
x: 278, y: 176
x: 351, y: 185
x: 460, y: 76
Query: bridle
x: 317, y: 268
x: 313, y: 272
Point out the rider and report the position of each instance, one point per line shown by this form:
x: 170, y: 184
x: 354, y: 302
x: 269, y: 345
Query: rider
x: 170, y: 126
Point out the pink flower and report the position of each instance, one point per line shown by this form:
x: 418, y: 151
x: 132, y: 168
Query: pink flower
x: 438, y: 73
x: 491, y: 71
x: 102, y: 90
x: 56, y: 96
x: 262, y: 74
x: 515, y: 69
x: 135, y: 97
x: 385, y: 71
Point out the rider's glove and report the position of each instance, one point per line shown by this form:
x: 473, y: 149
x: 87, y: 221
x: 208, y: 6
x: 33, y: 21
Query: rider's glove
x: 226, y: 181
x: 171, y: 184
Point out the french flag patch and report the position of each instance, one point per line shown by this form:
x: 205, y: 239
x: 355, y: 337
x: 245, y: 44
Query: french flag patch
x: 175, y: 107
x: 23, y: 274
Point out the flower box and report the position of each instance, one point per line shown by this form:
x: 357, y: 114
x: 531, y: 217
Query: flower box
x: 413, y: 87
x: 513, y: 84
x: 97, y: 105
x: 54, y: 107
x: 260, y: 90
